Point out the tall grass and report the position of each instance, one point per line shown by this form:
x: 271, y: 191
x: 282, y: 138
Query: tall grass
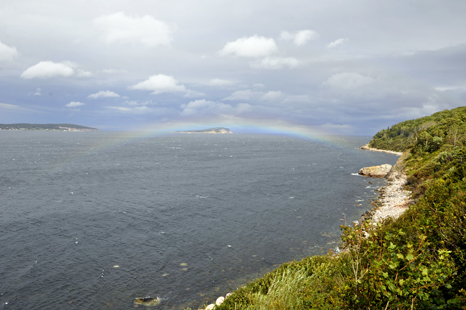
x: 284, y: 292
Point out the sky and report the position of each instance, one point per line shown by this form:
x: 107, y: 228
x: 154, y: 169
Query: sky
x: 337, y: 66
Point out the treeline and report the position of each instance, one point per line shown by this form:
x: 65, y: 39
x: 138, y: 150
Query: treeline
x: 415, y: 262
x: 399, y: 136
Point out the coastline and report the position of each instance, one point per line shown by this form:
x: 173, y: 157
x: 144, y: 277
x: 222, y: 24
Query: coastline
x: 393, y: 199
x: 367, y: 148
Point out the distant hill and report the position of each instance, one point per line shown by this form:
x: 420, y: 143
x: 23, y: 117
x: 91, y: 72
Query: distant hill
x: 215, y: 130
x: 46, y: 127
x: 398, y: 137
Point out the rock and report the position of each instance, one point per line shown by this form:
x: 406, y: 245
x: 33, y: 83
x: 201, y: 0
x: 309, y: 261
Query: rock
x: 227, y: 295
x: 210, y: 307
x: 219, y: 300
x: 147, y: 301
x: 376, y: 171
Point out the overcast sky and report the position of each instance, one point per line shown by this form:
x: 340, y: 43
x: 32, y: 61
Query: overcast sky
x: 347, y: 67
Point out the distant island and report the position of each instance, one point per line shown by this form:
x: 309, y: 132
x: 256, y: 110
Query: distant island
x: 215, y: 130
x: 46, y: 127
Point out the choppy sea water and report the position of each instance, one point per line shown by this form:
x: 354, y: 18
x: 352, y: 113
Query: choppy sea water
x: 93, y: 220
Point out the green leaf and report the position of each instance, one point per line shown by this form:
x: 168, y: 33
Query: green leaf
x: 425, y: 271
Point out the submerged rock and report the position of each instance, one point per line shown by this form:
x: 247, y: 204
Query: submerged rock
x: 147, y: 301
x: 376, y: 171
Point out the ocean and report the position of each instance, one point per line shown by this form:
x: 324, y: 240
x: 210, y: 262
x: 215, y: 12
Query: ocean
x: 93, y: 220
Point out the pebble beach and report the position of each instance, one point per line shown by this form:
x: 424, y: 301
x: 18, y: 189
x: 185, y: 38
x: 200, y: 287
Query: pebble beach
x: 394, y: 199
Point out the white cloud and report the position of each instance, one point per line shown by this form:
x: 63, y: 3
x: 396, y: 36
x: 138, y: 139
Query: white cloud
x: 337, y: 42
x: 272, y: 95
x: 221, y: 82
x: 348, y: 80
x: 160, y: 83
x: 103, y: 93
x: 301, y: 37
x: 7, y: 52
x: 254, y: 46
x: 276, y: 63
x: 120, y: 28
x: 82, y: 73
x: 48, y: 69
x: 75, y: 104
x: 131, y: 102
x: 193, y: 94
x: 242, y: 95
x: 210, y: 107
x: 133, y: 110
x: 122, y: 109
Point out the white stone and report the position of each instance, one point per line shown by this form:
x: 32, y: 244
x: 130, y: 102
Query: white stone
x: 219, y: 300
x: 210, y: 307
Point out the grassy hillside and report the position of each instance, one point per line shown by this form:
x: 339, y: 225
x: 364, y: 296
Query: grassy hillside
x: 400, y: 136
x: 415, y: 262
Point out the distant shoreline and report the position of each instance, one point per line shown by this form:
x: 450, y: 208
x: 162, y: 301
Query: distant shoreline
x: 216, y: 130
x: 45, y: 127
x: 367, y: 148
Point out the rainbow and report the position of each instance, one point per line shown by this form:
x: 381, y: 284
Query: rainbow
x: 237, y: 125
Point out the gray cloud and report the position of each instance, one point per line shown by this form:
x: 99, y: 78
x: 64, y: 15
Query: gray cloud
x: 257, y: 59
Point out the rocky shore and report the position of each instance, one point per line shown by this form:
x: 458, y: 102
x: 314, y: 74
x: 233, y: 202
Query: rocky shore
x: 393, y: 199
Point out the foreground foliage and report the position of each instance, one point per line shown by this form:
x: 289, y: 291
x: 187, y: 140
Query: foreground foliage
x: 415, y: 262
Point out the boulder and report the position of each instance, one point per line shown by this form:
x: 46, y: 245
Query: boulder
x: 147, y: 301
x: 376, y: 171
x: 219, y: 301
x: 210, y: 307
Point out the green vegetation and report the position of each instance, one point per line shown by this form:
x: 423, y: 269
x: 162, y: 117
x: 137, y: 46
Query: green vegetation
x: 400, y: 136
x: 415, y: 262
x: 58, y: 127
